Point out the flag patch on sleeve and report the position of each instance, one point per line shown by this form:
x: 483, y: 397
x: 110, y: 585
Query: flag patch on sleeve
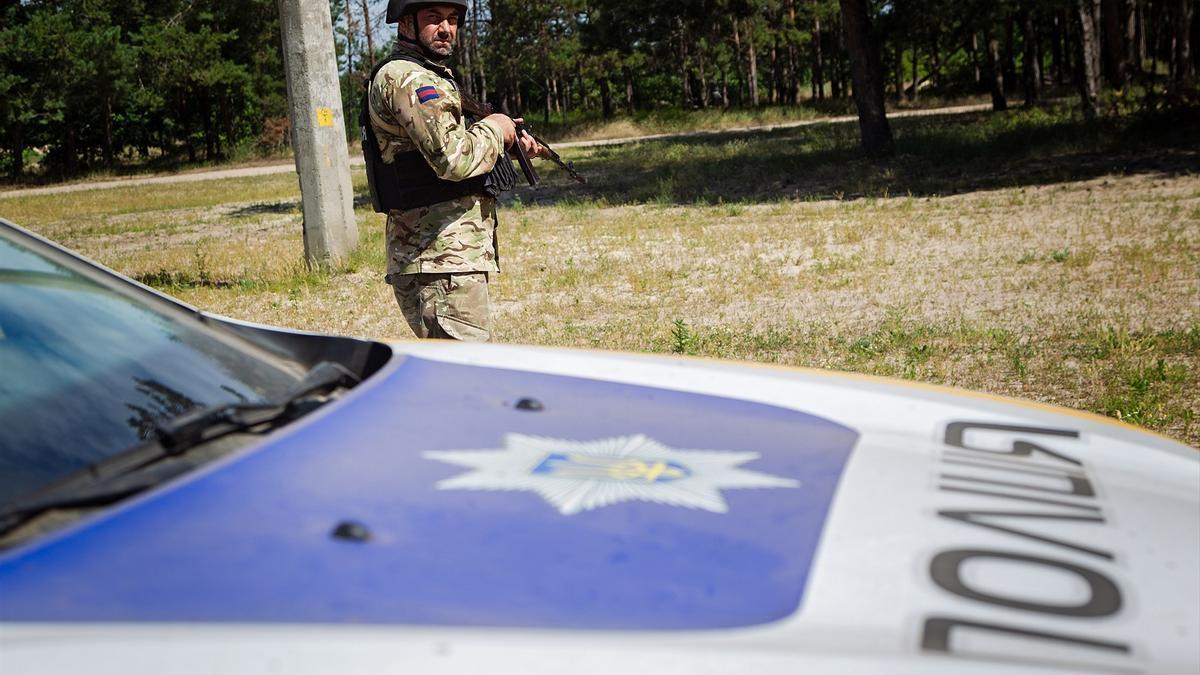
x: 427, y: 94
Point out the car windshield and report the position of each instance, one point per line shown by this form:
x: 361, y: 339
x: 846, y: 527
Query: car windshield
x: 89, y: 368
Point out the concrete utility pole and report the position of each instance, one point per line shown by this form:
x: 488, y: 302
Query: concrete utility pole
x: 318, y: 131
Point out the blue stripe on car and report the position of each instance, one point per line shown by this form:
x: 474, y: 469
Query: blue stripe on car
x: 248, y: 540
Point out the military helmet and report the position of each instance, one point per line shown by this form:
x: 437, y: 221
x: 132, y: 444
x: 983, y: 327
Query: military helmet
x: 398, y: 8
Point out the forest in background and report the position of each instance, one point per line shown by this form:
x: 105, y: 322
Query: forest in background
x: 101, y: 85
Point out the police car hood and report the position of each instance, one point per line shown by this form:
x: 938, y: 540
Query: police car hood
x: 484, y: 508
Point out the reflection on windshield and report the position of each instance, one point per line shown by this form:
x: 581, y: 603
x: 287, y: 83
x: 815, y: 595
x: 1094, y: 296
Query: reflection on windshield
x: 162, y: 402
x: 86, y: 372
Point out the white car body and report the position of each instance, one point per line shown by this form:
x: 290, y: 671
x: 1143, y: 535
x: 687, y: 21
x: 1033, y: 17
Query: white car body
x: 967, y: 533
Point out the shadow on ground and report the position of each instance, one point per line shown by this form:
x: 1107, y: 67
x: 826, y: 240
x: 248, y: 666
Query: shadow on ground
x: 361, y: 201
x: 272, y: 208
x: 935, y: 156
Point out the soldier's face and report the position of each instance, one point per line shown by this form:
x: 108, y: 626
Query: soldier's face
x: 437, y: 29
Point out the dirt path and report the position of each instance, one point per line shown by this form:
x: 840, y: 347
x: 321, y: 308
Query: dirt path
x: 357, y: 160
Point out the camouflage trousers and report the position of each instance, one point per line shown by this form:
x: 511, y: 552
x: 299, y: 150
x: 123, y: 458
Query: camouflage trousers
x: 445, y: 306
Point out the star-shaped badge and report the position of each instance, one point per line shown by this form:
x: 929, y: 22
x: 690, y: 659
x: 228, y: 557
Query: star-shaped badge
x: 577, y: 476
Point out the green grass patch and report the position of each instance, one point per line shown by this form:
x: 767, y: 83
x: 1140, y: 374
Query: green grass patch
x: 50, y: 211
x: 1147, y: 379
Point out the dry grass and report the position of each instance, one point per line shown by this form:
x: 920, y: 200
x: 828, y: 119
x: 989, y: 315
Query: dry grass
x: 1084, y: 294
x: 1072, y: 279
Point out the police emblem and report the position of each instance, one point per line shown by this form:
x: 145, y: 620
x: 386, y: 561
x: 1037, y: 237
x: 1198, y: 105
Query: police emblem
x: 576, y: 476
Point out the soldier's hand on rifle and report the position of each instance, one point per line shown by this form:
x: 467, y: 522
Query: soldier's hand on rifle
x: 532, y: 147
x: 507, y: 126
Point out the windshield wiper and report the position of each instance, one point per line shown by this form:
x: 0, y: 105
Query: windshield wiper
x: 141, y: 467
x: 197, y: 427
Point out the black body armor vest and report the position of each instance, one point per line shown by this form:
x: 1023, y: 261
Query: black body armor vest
x: 408, y: 182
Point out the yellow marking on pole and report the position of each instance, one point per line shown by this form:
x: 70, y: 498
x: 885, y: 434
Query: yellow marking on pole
x: 324, y: 117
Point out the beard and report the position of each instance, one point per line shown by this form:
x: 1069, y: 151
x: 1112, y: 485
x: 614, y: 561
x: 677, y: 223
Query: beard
x: 440, y: 45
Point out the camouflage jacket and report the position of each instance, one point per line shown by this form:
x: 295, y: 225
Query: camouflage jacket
x: 414, y: 107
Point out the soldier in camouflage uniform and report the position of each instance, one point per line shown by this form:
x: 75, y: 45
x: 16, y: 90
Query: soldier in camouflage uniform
x: 440, y: 255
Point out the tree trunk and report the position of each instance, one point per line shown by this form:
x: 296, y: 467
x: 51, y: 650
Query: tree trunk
x: 791, y: 85
x: 1192, y: 40
x: 1010, y: 54
x: 1140, y: 21
x: 916, y: 74
x: 1089, y: 40
x: 369, y: 30
x: 1155, y: 42
x: 868, y: 80
x: 935, y: 60
x: 793, y: 81
x: 210, y: 149
x: 219, y: 126
x: 606, y: 102
x: 350, y: 32
x: 685, y: 69
x: 898, y: 73
x: 71, y: 150
x: 581, y: 84
x: 753, y: 59
x: 228, y: 118
x: 737, y: 61
x: 543, y: 42
x: 1185, y: 67
x: 1072, y: 49
x: 1135, y: 46
x: 467, y: 53
x: 996, y: 73
x: 839, y: 84
x: 1116, y: 69
x: 480, y: 64
x: 973, y: 48
x: 1033, y: 60
x: 17, y: 148
x: 629, y: 93
x: 1056, y: 51
x: 109, y: 159
x: 818, y: 61
x: 844, y: 66
x: 774, y: 95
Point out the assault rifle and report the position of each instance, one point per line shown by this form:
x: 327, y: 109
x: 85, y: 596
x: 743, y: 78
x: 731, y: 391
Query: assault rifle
x: 481, y: 110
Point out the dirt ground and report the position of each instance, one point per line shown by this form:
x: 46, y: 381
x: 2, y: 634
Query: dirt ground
x: 1077, y: 287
